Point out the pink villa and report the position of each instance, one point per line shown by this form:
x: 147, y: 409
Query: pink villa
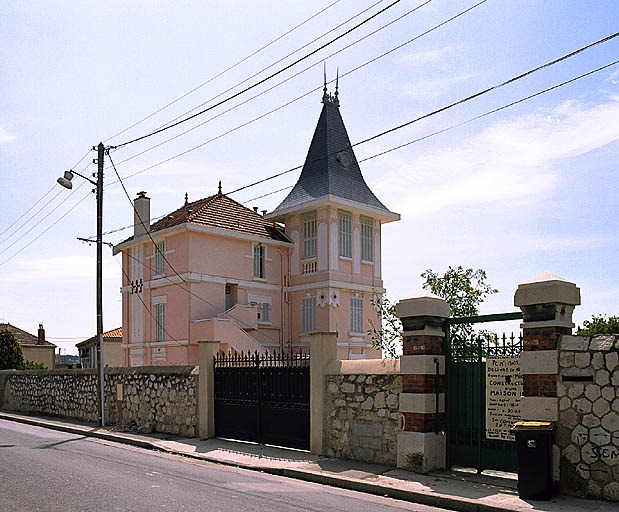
x: 216, y: 270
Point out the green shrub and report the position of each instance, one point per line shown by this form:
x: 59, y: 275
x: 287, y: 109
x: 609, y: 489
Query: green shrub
x: 11, y: 355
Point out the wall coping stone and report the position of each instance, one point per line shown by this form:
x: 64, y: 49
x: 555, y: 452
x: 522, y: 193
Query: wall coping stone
x: 363, y: 367
x: 136, y: 370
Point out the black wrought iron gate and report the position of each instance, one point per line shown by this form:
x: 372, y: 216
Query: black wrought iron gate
x: 468, y: 444
x: 263, y: 398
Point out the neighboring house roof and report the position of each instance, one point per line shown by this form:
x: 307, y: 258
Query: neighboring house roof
x: 331, y: 167
x: 114, y: 335
x: 23, y: 337
x: 219, y: 211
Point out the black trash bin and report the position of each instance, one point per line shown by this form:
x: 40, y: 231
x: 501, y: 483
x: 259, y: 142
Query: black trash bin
x: 534, y: 448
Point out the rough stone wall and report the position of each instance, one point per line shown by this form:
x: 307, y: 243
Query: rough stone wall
x: 361, y: 417
x: 588, y: 428
x: 148, y: 399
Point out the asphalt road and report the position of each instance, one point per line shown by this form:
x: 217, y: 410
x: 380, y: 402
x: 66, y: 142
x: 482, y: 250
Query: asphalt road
x: 45, y: 470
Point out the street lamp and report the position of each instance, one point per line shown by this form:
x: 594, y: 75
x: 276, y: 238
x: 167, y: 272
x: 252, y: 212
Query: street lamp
x: 66, y: 182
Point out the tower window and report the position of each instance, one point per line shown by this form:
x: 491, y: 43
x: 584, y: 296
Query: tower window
x: 345, y: 234
x: 367, y: 239
x: 309, y: 235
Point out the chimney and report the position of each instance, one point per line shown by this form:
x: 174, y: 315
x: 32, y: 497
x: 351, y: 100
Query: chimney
x: 264, y: 212
x: 41, y: 335
x: 255, y: 209
x: 141, y: 215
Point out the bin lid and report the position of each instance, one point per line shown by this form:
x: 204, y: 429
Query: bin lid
x: 533, y: 425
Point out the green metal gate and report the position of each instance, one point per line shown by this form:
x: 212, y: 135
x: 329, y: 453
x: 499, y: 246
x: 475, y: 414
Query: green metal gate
x: 465, y: 396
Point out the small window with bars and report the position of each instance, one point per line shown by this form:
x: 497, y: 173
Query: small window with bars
x: 356, y: 314
x: 259, y: 260
x: 308, y: 314
x: 160, y: 322
x: 160, y: 258
x: 367, y: 239
x: 309, y: 235
x: 345, y: 234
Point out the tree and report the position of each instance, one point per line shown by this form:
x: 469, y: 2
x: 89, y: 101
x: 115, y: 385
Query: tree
x: 599, y: 325
x: 463, y: 289
x: 387, y: 336
x: 11, y: 356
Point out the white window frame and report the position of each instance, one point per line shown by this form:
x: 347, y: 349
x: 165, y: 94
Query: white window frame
x: 259, y: 259
x: 159, y: 250
x: 160, y: 321
x: 309, y: 235
x: 345, y: 229
x: 308, y: 314
x: 367, y: 238
x: 356, y: 314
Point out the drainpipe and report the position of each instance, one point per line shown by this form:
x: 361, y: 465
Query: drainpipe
x: 281, y: 300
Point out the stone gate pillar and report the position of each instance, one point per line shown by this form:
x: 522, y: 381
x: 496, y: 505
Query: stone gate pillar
x: 421, y: 442
x: 547, y: 302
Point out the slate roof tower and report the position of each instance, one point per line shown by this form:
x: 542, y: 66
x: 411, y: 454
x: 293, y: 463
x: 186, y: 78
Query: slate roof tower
x: 334, y: 221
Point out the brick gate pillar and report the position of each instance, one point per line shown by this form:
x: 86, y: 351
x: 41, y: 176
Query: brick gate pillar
x: 547, y: 302
x: 421, y: 442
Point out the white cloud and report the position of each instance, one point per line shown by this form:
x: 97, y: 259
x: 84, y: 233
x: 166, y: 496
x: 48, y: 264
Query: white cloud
x: 5, y: 136
x: 419, y: 59
x: 515, y: 159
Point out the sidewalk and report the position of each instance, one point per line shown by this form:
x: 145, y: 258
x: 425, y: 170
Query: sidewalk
x: 466, y: 492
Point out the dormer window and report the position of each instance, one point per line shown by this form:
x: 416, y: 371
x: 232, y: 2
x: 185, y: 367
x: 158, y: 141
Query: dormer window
x: 309, y: 235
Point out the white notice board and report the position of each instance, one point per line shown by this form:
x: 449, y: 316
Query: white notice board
x: 503, y: 392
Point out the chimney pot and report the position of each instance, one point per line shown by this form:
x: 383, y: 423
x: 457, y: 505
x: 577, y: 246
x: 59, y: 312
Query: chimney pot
x: 256, y: 209
x: 264, y: 212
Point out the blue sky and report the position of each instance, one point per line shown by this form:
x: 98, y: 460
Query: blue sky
x: 528, y: 189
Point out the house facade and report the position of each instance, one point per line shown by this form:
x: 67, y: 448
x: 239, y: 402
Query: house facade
x: 112, y: 353
x: 216, y: 270
x: 34, y: 348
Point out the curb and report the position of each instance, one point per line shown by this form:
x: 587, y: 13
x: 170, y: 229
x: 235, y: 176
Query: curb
x: 440, y: 501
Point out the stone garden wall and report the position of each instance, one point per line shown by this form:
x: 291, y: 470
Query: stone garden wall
x: 361, y: 410
x: 588, y: 428
x: 148, y: 399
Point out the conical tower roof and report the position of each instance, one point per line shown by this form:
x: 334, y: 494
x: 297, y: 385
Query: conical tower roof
x: 331, y: 169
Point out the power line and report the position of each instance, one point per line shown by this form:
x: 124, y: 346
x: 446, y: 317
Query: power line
x: 442, y: 109
x: 281, y: 70
x: 227, y: 69
x: 410, y: 11
x: 46, y: 230
x: 307, y: 93
x: 190, y: 92
x: 36, y: 225
x: 457, y: 125
x: 273, y: 63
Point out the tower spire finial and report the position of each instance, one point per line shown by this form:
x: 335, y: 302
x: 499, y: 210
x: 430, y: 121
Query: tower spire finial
x: 325, y: 94
x: 337, y: 85
x: 219, y: 189
x: 186, y: 199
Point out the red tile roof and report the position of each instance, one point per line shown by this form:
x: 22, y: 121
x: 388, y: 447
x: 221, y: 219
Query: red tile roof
x: 112, y: 335
x: 219, y: 211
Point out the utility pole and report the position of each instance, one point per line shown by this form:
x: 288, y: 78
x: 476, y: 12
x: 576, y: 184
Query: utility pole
x: 100, y: 159
x: 66, y: 182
